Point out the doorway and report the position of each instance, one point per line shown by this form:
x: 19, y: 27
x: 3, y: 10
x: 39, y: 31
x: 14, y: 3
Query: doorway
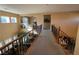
x: 47, y: 22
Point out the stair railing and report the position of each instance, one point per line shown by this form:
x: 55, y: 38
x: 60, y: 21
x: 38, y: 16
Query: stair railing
x: 17, y: 46
x: 63, y: 39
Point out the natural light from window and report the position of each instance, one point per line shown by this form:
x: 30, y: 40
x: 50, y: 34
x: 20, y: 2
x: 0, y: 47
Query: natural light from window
x: 4, y: 19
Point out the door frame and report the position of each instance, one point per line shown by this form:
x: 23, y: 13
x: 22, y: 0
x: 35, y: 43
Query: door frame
x: 48, y: 21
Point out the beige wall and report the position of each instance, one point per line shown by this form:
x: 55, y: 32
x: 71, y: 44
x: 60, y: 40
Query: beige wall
x: 64, y: 20
x: 76, y: 52
x: 8, y: 29
x: 57, y: 19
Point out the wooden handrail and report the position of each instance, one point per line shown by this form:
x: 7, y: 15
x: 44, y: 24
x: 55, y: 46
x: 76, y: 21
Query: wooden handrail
x: 20, y: 46
x: 65, y: 34
x: 14, y: 40
x: 63, y: 37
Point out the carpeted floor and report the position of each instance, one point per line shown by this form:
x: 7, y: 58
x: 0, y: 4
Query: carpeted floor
x: 45, y: 45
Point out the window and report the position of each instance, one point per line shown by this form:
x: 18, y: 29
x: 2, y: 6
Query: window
x: 25, y: 21
x: 13, y: 20
x: 4, y: 19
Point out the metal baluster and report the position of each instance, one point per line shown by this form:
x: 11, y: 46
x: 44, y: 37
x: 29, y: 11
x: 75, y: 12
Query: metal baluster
x: 4, y: 50
x: 16, y: 49
x: 24, y: 43
x: 17, y: 42
x: 19, y: 46
x: 13, y: 48
x: 22, y: 46
x: 8, y: 50
x: 1, y: 51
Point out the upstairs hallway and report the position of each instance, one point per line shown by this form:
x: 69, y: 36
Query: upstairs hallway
x: 45, y: 44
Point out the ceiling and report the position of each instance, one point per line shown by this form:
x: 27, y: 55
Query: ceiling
x: 38, y: 8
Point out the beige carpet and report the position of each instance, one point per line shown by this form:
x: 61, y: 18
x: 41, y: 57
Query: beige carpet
x: 45, y: 45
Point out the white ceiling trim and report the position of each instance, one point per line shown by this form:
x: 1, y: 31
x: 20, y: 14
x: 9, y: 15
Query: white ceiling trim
x: 38, y: 8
